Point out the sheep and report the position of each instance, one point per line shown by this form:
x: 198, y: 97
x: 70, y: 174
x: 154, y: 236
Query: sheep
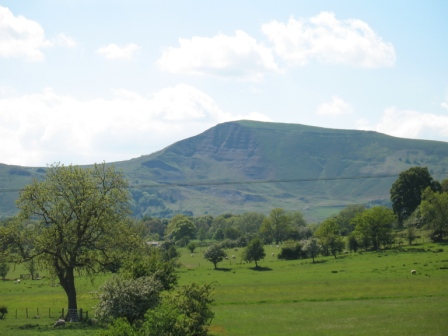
x: 236, y: 249
x: 272, y: 254
x: 278, y: 246
x: 192, y: 255
x: 233, y: 257
x: 413, y: 272
x: 17, y: 281
x: 60, y: 322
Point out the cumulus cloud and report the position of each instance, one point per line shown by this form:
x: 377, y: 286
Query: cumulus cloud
x: 46, y: 127
x: 335, y: 107
x: 24, y: 38
x: 223, y: 56
x: 328, y: 40
x: 113, y: 51
x: 410, y: 124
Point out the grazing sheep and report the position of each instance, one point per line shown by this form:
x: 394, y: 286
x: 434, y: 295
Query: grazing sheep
x: 272, y: 254
x: 233, y: 257
x: 60, y: 322
x: 413, y: 272
x: 17, y: 281
x: 227, y: 258
x: 236, y: 249
x: 192, y: 255
x: 278, y: 246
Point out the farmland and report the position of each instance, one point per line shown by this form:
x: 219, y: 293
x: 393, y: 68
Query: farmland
x: 364, y: 293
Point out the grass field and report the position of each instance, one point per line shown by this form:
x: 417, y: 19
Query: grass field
x: 370, y: 293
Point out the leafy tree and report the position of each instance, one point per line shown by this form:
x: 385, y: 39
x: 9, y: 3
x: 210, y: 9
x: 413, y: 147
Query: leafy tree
x: 276, y: 225
x: 181, y: 228
x: 201, y: 234
x: 191, y: 246
x: 311, y: 247
x: 31, y: 267
x: 120, y: 327
x: 353, y: 241
x: 291, y: 251
x: 80, y: 222
x: 254, y: 251
x: 219, y: 235
x: 345, y: 216
x: 410, y: 234
x: 434, y: 210
x: 249, y: 222
x: 215, y: 254
x: 374, y: 226
x: 187, y: 312
x: 328, y: 234
x: 151, y: 262
x: 4, y: 269
x: 232, y: 233
x: 128, y: 298
x: 407, y: 190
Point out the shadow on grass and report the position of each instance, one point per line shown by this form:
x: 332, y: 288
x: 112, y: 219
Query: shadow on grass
x: 261, y: 269
x: 319, y: 261
x: 223, y: 269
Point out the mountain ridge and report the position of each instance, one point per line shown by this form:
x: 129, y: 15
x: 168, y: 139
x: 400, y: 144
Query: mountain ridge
x: 248, y: 165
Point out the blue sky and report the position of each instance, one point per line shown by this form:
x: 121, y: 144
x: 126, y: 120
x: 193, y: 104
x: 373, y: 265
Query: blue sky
x: 91, y: 81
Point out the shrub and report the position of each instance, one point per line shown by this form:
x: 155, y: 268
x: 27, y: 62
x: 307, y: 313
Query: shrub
x: 3, y: 311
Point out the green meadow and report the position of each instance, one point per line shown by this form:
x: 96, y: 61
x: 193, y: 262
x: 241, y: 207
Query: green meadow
x: 365, y: 293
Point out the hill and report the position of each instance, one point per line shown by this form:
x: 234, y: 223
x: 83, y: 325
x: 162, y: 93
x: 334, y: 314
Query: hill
x: 255, y: 166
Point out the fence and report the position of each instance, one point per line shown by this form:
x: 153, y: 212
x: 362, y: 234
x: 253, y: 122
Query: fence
x: 51, y: 313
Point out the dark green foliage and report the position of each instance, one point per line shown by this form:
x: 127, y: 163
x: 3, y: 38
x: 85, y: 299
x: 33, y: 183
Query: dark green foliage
x: 291, y: 251
x: 219, y: 235
x: 186, y: 313
x: 3, y: 312
x: 215, y: 254
x: 406, y: 192
x: 4, y: 269
x: 254, y: 251
x: 191, y: 246
x: 151, y: 262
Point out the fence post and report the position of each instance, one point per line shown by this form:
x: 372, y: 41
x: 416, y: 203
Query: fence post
x: 80, y: 314
x: 63, y: 313
x: 16, y: 313
x: 38, y: 312
x: 49, y: 315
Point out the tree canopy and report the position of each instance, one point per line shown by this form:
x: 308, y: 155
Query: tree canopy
x: 407, y: 190
x: 434, y: 210
x: 215, y: 254
x: 254, y: 251
x: 73, y: 220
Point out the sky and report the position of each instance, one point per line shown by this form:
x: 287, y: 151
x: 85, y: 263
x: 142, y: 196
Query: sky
x: 87, y: 81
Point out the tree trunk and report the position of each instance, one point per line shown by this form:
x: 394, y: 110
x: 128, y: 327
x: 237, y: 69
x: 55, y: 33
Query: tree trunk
x: 67, y: 281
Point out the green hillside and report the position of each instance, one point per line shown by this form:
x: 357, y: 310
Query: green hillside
x: 255, y: 166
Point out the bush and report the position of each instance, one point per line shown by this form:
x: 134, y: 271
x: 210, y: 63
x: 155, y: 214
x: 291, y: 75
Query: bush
x: 128, y: 298
x: 3, y: 311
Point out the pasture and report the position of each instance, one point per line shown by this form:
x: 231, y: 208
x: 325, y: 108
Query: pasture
x: 366, y: 293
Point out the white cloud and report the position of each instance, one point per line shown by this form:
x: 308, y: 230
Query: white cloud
x: 329, y: 40
x: 223, y: 56
x: 24, y: 38
x: 44, y: 128
x: 113, y: 51
x: 410, y: 124
x: 336, y: 107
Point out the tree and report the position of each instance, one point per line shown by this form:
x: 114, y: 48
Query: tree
x: 328, y: 234
x: 407, y: 190
x: 277, y: 225
x: 79, y: 223
x: 374, y: 226
x: 311, y: 247
x: 31, y: 267
x: 4, y: 269
x: 215, y: 254
x: 128, y: 298
x: 254, y: 251
x: 191, y: 246
x: 434, y: 210
x: 187, y: 312
x: 345, y: 216
x: 181, y: 228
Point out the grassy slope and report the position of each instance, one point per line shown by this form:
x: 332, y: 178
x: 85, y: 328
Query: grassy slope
x: 248, y: 151
x: 371, y: 294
